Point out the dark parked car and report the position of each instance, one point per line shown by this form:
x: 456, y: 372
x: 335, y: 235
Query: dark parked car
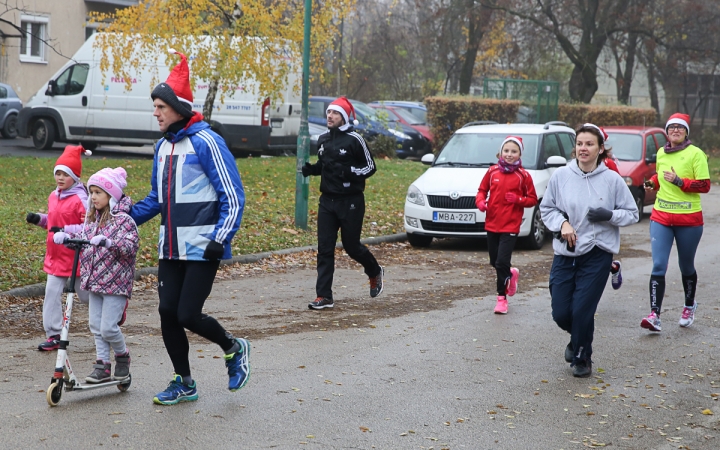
x: 398, y: 114
x: 10, y: 106
x: 410, y: 142
x: 636, y: 150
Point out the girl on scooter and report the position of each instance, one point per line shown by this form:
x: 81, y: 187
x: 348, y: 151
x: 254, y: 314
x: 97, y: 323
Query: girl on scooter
x: 107, y: 268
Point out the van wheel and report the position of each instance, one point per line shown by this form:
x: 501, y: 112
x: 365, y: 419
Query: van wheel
x: 536, y: 238
x: 9, y: 129
x: 43, y: 134
x: 418, y: 240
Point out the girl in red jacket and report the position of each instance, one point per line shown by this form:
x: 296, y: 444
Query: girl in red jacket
x: 66, y: 206
x: 510, y: 190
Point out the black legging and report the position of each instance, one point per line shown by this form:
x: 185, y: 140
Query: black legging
x: 183, y: 287
x: 500, y: 248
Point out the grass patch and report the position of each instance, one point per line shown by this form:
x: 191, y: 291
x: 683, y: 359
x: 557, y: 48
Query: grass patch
x: 268, y: 220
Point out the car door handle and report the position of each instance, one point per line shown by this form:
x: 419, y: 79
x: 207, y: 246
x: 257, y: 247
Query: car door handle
x: 84, y: 100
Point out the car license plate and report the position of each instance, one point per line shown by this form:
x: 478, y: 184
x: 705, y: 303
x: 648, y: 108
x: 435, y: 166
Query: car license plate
x: 453, y: 217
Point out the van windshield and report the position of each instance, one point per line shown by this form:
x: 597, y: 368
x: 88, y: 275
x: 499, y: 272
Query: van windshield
x: 474, y: 149
x: 626, y: 147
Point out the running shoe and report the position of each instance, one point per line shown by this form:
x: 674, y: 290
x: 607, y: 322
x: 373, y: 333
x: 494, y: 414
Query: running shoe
x: 616, y: 275
x: 688, y: 315
x: 651, y: 322
x: 513, y: 282
x: 376, y: 283
x: 238, y: 365
x: 502, y: 305
x: 321, y: 303
x: 177, y: 392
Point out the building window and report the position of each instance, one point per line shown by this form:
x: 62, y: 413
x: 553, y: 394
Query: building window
x: 32, y: 47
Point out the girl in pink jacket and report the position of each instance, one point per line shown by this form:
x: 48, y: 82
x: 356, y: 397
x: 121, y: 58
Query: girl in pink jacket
x: 107, y: 268
x: 66, y: 206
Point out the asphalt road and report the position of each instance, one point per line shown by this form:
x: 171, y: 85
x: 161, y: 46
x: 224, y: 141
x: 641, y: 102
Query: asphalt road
x: 443, y: 373
x: 25, y: 147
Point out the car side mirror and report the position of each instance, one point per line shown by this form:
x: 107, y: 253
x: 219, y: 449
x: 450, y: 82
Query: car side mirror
x: 651, y: 159
x: 427, y: 158
x: 555, y: 161
x: 51, y: 88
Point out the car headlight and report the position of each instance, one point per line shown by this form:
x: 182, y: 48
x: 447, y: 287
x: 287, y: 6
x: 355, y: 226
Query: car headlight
x: 628, y: 181
x: 399, y: 134
x: 415, y: 196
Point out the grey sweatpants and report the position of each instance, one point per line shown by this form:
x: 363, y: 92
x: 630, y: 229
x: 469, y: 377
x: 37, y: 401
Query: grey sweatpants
x: 52, y: 304
x: 105, y: 312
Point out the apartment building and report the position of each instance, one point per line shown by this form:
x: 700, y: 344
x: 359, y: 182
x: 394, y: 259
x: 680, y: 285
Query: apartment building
x: 53, y: 31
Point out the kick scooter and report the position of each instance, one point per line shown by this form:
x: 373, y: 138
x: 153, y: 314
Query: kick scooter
x: 63, y: 375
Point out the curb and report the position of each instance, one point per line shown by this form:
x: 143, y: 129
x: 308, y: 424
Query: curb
x: 38, y: 290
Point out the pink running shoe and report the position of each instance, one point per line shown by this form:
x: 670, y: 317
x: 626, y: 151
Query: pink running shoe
x: 501, y: 307
x: 513, y: 283
x: 651, y: 322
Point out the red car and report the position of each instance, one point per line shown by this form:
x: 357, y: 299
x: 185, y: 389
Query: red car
x: 396, y: 114
x: 636, y: 150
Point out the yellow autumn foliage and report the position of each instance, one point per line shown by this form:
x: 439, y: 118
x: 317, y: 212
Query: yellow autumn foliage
x: 229, y: 43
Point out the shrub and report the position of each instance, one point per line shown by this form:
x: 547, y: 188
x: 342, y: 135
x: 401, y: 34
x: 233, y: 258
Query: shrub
x: 384, y: 146
x: 447, y: 114
x: 605, y: 116
x: 708, y: 139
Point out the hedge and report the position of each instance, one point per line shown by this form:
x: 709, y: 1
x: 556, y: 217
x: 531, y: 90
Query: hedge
x: 447, y: 114
x: 605, y: 116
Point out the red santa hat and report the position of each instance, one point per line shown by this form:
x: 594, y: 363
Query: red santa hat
x: 516, y: 139
x: 70, y: 162
x: 680, y: 119
x: 175, y: 91
x: 345, y: 108
x: 602, y: 132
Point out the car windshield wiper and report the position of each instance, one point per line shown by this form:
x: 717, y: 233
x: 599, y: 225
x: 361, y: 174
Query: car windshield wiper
x: 444, y: 163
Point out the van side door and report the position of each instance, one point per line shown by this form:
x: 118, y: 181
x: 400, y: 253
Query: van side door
x: 69, y: 97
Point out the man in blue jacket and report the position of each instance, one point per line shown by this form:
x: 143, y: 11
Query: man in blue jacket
x: 196, y: 189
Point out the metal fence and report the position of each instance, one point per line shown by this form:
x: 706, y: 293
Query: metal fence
x: 540, y: 98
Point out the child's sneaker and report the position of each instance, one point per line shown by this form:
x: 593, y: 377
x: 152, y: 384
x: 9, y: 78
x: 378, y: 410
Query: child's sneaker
x: 688, y: 315
x: 177, y: 392
x: 101, y: 374
x: 616, y: 270
x: 124, y: 315
x: 651, y: 322
x: 238, y: 365
x: 52, y: 343
x: 122, y: 367
x: 513, y: 282
x: 501, y: 307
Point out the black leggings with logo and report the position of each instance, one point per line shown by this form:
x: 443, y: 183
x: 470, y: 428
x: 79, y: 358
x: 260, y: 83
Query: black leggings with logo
x: 183, y: 287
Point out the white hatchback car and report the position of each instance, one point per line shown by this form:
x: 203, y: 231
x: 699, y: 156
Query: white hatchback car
x: 441, y: 202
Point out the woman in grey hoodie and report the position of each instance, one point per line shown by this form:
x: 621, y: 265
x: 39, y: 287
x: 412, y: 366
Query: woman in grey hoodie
x: 584, y: 205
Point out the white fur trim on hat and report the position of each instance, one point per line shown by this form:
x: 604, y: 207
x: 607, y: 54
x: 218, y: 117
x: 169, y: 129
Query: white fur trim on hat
x: 679, y: 121
x: 68, y: 171
x: 600, y: 130
x: 514, y: 140
x: 339, y: 109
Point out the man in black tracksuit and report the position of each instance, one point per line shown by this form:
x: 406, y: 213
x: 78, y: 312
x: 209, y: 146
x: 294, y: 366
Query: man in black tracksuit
x: 344, y: 162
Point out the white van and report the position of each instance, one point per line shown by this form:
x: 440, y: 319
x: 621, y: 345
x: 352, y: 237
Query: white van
x: 79, y: 106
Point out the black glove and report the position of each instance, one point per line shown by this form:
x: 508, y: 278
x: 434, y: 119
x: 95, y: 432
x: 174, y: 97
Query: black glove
x: 214, y: 251
x: 307, y: 169
x: 599, y: 215
x: 55, y: 229
x: 33, y: 218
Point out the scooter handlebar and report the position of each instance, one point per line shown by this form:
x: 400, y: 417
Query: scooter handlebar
x: 76, y: 242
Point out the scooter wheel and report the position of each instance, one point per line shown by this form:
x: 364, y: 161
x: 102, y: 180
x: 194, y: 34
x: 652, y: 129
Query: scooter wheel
x: 54, y: 394
x: 126, y: 385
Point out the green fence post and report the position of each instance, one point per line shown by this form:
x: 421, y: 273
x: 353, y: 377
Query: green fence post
x: 302, y: 184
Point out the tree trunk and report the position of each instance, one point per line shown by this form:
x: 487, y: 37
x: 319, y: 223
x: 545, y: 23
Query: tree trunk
x: 583, y: 83
x: 478, y: 21
x: 210, y: 99
x: 627, y: 77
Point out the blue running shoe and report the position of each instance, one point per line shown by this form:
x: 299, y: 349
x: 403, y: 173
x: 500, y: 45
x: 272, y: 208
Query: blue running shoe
x: 238, y: 365
x: 177, y: 392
